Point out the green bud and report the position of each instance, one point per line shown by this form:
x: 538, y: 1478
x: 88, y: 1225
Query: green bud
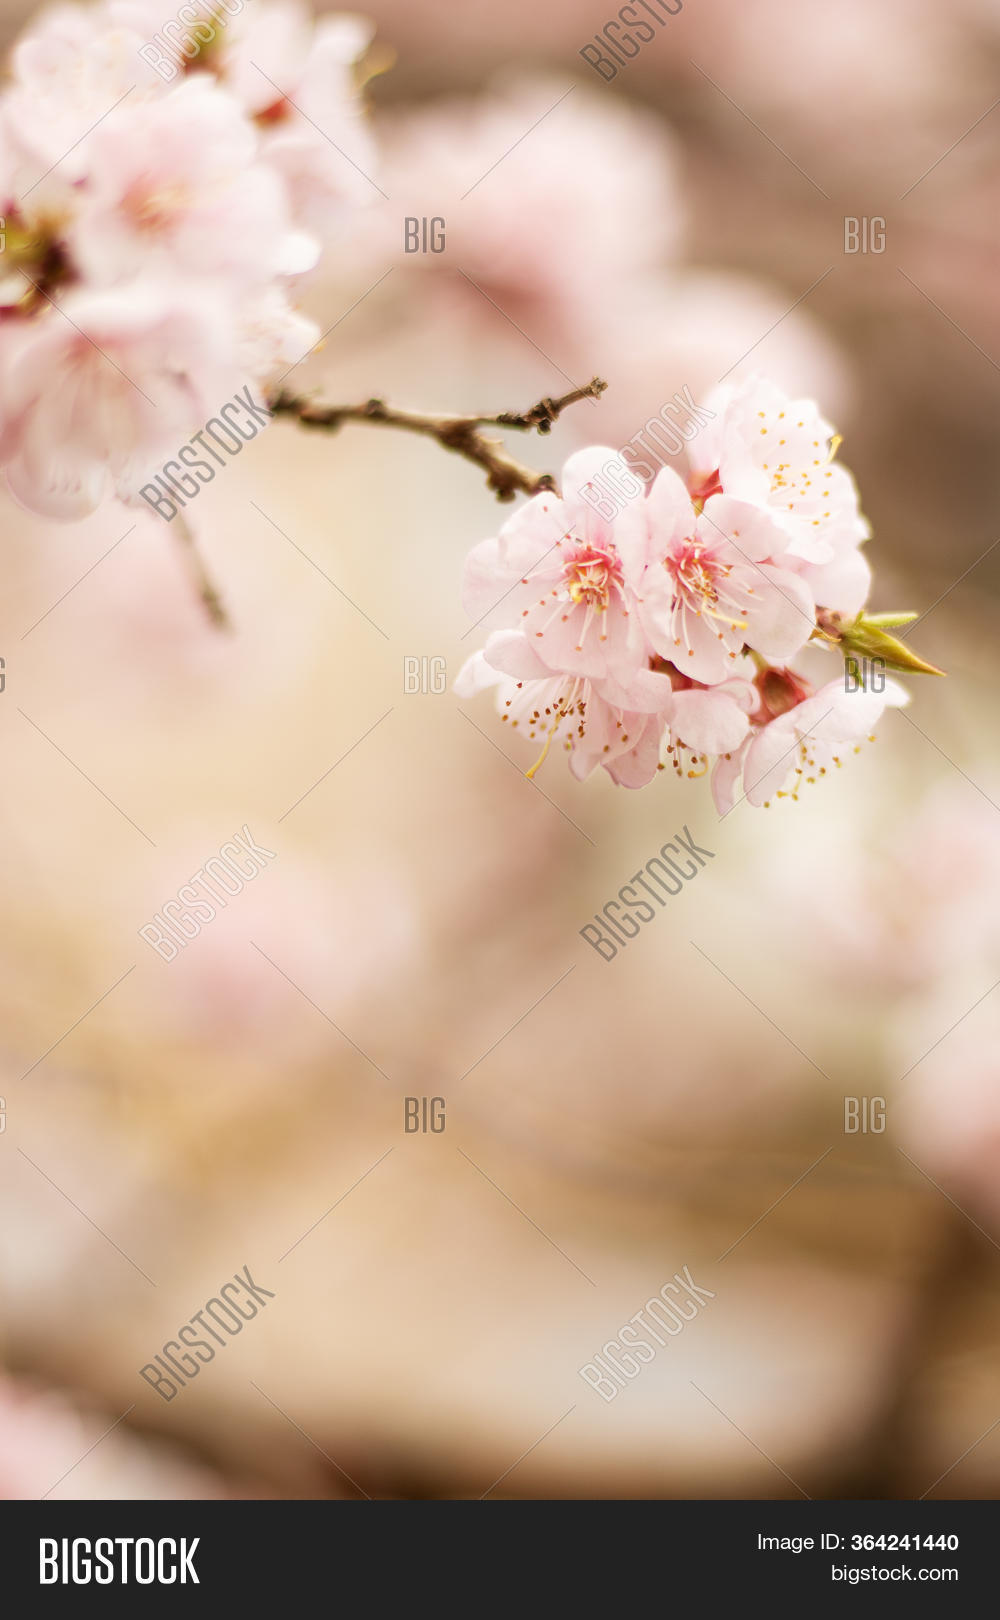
x: 867, y: 637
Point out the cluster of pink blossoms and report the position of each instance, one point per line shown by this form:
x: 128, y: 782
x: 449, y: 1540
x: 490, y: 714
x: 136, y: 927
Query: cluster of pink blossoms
x: 657, y: 627
x: 157, y: 214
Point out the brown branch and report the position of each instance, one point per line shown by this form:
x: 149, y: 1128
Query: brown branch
x: 460, y: 434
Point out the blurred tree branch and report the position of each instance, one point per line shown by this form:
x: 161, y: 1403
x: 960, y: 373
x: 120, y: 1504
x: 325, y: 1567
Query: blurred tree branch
x: 881, y: 1468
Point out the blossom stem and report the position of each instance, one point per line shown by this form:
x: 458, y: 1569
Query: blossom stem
x: 208, y: 595
x: 460, y: 434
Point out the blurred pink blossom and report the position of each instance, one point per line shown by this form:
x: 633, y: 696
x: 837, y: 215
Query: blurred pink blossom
x: 150, y: 261
x: 555, y: 198
x: 48, y: 1449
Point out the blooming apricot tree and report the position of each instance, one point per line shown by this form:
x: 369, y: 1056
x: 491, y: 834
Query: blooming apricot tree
x: 640, y: 622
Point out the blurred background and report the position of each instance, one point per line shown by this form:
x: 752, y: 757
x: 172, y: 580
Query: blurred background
x: 417, y: 933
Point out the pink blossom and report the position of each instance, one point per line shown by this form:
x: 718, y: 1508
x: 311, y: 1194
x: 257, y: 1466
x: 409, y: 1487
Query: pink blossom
x: 802, y: 743
x: 711, y: 585
x: 271, y: 335
x: 777, y: 453
x: 707, y: 721
x: 68, y: 71
x: 175, y: 184
x: 153, y: 229
x: 103, y: 386
x: 298, y: 81
x: 632, y: 624
x: 632, y: 730
x: 597, y: 722
x: 566, y: 576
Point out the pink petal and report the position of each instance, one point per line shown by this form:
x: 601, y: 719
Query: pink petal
x: 708, y: 722
x: 510, y: 652
x: 783, y: 616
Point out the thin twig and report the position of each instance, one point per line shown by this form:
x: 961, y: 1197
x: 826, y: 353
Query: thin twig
x: 460, y: 434
x: 207, y: 593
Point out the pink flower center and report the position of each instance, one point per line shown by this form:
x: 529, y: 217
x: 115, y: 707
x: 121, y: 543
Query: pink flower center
x: 696, y: 574
x: 591, y: 575
x: 154, y: 209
